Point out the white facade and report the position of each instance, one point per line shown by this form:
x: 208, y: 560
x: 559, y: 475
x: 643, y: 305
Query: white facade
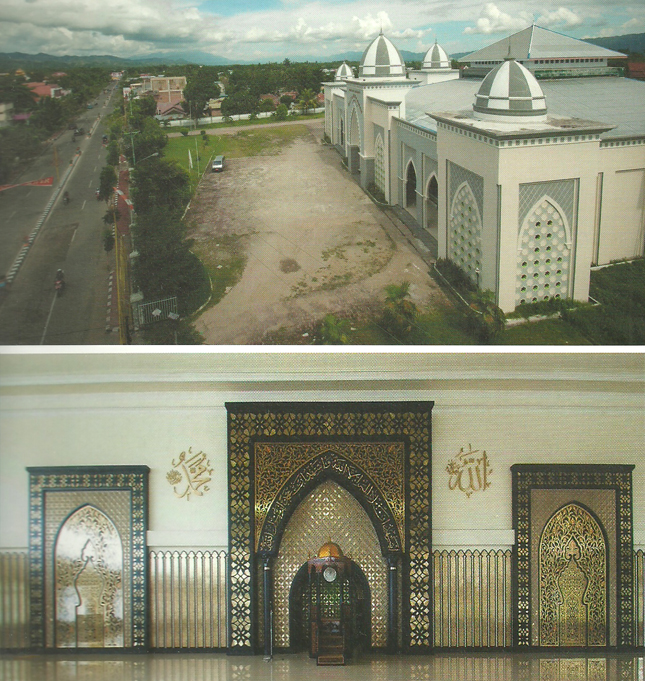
x: 524, y: 197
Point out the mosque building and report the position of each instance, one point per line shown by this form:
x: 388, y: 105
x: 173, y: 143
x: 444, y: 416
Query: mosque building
x: 526, y: 167
x: 335, y: 505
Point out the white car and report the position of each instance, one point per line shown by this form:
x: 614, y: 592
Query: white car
x: 218, y: 164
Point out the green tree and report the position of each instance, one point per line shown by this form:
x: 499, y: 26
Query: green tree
x: 149, y: 139
x: 399, y: 313
x: 160, y: 184
x: 14, y: 89
x: 486, y: 320
x: 281, y: 112
x: 307, y: 101
x: 267, y: 105
x: 200, y: 88
x: 334, y: 331
x: 287, y: 100
x: 107, y: 182
x: 112, y: 153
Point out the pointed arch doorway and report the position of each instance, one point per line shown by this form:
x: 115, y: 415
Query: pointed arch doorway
x: 376, y: 453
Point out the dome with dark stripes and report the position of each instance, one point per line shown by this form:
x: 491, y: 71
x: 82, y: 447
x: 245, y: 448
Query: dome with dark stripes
x: 436, y: 58
x: 344, y: 71
x: 381, y: 60
x: 510, y: 93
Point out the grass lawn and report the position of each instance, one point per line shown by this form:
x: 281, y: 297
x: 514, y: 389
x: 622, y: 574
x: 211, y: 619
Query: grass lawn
x: 245, y: 122
x: 547, y: 332
x: 254, y: 142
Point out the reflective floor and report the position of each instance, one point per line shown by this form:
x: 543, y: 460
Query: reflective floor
x: 220, y: 667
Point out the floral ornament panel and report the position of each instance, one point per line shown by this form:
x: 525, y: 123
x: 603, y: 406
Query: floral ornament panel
x: 469, y: 471
x: 190, y: 474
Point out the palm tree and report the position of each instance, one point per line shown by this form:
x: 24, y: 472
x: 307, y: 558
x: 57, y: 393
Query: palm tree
x: 307, y: 101
x: 334, y: 331
x: 400, y: 313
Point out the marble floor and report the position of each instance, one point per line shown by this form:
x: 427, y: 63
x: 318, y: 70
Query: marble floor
x: 220, y: 667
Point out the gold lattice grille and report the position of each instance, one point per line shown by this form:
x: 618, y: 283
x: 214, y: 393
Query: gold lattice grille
x: 329, y: 511
x: 116, y: 506
x: 573, y: 582
x: 544, y: 503
x: 275, y: 463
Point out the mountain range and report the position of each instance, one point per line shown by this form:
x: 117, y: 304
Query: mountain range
x: 634, y: 42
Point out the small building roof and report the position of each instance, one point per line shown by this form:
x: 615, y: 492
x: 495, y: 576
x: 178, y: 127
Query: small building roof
x: 436, y: 58
x: 510, y: 90
x: 381, y: 59
x: 535, y: 42
x: 606, y: 99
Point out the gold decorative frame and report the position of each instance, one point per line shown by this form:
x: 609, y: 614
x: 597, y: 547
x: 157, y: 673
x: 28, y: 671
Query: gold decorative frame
x: 344, y: 429
x: 584, y: 479
x: 80, y: 485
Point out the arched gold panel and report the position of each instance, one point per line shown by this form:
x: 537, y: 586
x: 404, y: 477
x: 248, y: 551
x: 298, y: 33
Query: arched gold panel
x: 572, y: 580
x: 89, y: 582
x: 329, y: 511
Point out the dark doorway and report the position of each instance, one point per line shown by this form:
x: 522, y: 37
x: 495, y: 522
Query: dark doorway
x: 411, y: 187
x: 432, y: 204
x: 299, y: 619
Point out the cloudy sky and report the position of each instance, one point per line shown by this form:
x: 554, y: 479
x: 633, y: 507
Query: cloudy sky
x: 270, y: 30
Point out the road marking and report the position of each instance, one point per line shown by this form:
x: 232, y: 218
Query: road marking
x: 84, y: 202
x: 51, y: 309
x: 73, y: 235
x: 12, y: 214
x: 91, y: 183
x: 95, y: 167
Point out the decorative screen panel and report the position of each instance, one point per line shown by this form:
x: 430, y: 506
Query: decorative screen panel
x: 329, y: 512
x: 358, y: 423
x: 539, y: 491
x: 115, y: 497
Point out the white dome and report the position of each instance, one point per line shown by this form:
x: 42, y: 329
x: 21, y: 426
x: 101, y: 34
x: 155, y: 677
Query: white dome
x: 344, y: 71
x: 436, y: 58
x: 511, y: 94
x: 381, y: 59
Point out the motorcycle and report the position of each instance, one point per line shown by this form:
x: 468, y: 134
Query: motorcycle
x: 66, y: 198
x: 59, y: 284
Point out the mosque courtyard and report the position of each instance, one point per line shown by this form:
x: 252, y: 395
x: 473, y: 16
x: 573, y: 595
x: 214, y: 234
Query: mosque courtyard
x: 314, y: 243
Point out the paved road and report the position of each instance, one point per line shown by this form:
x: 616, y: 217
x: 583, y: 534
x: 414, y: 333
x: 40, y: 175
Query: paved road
x: 71, y: 239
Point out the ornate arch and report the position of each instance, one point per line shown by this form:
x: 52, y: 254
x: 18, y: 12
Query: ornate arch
x: 88, y: 578
x: 269, y: 442
x: 410, y: 191
x: 354, y: 114
x: 465, y: 227
x: 330, y: 465
x: 573, y: 579
x: 544, y: 253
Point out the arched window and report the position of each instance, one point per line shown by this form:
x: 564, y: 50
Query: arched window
x: 410, y: 186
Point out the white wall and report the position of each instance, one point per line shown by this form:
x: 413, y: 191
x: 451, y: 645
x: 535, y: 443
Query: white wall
x: 148, y: 408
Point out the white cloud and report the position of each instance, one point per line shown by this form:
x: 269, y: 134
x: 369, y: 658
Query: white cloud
x: 294, y: 28
x: 493, y: 20
x: 561, y: 17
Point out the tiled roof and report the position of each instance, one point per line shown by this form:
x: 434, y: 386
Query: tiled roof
x: 536, y: 42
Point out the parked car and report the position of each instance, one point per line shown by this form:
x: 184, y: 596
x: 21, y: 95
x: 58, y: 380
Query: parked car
x: 218, y: 164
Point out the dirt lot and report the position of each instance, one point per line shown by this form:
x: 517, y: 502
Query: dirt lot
x: 314, y: 242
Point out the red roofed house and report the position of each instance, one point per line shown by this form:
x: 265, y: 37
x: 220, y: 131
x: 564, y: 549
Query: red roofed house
x: 45, y: 90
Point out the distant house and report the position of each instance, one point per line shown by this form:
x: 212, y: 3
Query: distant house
x: 59, y: 74
x: 6, y: 113
x: 42, y: 90
x: 116, y: 75
x: 22, y: 118
x: 214, y: 106
x: 169, y: 110
x: 636, y: 69
x: 273, y: 98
